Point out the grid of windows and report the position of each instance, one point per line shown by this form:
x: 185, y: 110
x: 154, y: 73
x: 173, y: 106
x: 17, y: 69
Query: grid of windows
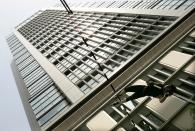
x: 45, y: 98
x: 137, y: 114
x: 113, y: 38
x: 182, y: 77
x: 139, y: 4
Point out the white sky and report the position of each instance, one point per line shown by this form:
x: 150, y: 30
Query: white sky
x: 13, y: 12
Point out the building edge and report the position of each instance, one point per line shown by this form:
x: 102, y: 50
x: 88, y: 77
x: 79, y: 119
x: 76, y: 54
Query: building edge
x: 24, y: 95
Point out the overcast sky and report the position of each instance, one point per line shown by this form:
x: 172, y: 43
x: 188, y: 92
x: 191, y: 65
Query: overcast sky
x: 12, y: 12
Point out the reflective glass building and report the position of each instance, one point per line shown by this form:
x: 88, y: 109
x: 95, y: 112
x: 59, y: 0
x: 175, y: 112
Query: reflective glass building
x: 63, y: 88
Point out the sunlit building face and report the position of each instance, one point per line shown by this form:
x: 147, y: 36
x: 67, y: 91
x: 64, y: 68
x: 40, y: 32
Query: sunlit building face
x: 67, y: 84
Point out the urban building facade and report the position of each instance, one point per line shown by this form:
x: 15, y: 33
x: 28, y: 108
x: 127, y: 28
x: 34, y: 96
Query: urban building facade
x: 62, y: 85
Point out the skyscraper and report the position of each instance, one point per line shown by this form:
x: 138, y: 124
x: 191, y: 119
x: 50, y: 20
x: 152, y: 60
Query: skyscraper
x: 62, y: 85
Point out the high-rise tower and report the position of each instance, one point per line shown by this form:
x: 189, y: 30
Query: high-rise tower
x: 63, y: 88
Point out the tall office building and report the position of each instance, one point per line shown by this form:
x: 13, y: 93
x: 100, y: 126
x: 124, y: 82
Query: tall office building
x: 62, y: 86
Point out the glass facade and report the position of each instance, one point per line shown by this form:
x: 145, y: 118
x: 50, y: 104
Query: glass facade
x: 115, y: 39
x: 146, y: 114
x: 45, y: 98
x: 138, y: 4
